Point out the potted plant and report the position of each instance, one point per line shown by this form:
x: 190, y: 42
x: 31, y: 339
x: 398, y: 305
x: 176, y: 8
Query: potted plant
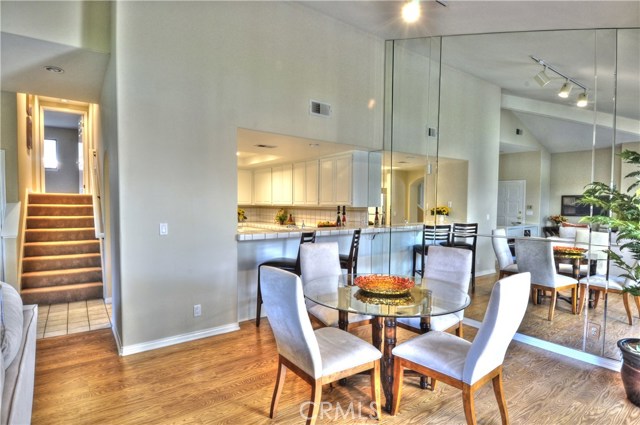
x: 281, y: 216
x: 624, y: 216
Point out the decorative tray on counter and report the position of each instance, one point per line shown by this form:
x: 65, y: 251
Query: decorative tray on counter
x: 377, y: 284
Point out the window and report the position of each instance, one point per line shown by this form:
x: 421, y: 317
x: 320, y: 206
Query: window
x: 50, y: 158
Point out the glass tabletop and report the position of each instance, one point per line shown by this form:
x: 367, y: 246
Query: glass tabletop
x: 429, y: 297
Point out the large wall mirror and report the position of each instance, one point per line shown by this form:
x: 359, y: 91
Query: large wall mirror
x: 468, y: 116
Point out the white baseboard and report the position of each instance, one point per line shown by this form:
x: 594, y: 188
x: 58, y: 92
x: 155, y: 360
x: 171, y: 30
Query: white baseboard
x: 177, y: 339
x: 560, y: 349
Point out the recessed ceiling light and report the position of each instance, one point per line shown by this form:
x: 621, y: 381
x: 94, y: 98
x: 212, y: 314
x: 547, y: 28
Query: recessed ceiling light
x: 54, y: 69
x: 411, y: 11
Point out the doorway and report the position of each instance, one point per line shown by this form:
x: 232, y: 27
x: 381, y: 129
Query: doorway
x: 63, y: 152
x: 511, y: 197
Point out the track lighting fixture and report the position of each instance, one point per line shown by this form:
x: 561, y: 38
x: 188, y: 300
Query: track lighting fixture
x: 542, y: 78
x: 582, y: 99
x: 411, y: 11
x: 565, y: 89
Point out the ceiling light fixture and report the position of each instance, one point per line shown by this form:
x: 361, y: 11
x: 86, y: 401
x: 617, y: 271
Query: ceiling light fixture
x: 565, y: 89
x: 542, y: 78
x: 411, y: 11
x: 583, y: 100
x: 54, y: 69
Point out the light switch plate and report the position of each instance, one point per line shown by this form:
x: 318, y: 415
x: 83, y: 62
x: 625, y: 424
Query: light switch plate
x: 164, y: 229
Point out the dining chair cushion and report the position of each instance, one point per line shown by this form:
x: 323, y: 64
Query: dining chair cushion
x: 450, y: 352
x: 600, y: 281
x: 511, y: 268
x: 436, y: 323
x: 340, y: 350
x: 330, y: 316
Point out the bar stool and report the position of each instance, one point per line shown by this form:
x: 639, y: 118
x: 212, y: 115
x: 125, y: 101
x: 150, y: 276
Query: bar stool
x: 289, y: 264
x: 430, y: 235
x: 465, y: 235
x: 350, y: 261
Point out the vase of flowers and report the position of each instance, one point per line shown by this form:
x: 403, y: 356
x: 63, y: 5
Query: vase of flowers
x: 241, y: 215
x: 281, y: 216
x: 440, y: 212
x: 557, y: 220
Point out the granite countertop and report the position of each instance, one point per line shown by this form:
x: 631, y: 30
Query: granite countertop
x: 250, y: 231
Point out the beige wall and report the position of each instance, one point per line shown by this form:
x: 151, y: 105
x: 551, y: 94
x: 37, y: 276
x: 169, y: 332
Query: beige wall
x: 9, y: 143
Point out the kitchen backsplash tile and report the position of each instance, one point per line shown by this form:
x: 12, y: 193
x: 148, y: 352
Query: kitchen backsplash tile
x: 308, y: 216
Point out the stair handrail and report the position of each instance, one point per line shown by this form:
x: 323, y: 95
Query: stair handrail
x: 96, y: 195
x: 24, y: 206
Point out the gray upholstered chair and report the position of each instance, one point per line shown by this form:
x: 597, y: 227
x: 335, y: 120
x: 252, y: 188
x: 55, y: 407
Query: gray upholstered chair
x: 318, y: 357
x: 452, y: 265
x: 597, y: 243
x: 536, y: 257
x: 460, y: 363
x: 323, y: 260
x: 500, y: 244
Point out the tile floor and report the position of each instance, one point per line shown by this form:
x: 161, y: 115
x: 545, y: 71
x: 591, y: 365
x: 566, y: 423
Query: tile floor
x: 69, y: 318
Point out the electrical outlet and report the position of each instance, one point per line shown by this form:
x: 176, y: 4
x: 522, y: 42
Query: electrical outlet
x: 197, y: 310
x: 593, y: 331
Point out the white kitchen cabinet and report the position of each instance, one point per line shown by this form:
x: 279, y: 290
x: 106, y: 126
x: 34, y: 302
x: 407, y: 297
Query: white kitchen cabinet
x: 245, y: 187
x: 262, y: 187
x: 281, y: 185
x: 305, y: 183
x: 344, y: 180
x: 522, y: 230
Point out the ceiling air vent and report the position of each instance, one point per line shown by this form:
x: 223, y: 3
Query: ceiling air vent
x: 319, y: 108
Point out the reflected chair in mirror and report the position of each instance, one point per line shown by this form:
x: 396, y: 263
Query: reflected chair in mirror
x: 465, y: 236
x: 597, y: 243
x: 452, y: 265
x: 350, y: 261
x: 468, y: 365
x: 284, y: 263
x: 536, y: 257
x: 318, y: 357
x: 323, y: 260
x: 431, y: 235
x: 506, y: 262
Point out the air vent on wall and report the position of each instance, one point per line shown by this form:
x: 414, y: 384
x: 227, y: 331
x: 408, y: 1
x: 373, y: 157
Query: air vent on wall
x: 319, y: 108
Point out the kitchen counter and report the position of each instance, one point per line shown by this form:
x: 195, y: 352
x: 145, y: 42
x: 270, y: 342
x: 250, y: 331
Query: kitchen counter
x: 251, y: 231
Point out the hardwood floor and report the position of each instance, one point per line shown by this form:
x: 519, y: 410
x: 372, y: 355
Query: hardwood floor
x: 228, y: 379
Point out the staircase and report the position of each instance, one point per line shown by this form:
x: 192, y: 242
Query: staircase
x: 61, y: 260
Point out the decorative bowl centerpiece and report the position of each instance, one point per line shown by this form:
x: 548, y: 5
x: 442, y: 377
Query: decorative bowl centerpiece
x: 377, y: 284
x: 569, y: 251
x: 396, y: 300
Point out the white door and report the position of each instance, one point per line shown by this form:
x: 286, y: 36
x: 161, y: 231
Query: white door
x: 511, y: 195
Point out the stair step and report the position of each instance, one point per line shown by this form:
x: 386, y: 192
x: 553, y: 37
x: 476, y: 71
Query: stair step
x: 60, y: 198
x: 60, y: 262
x: 34, y: 249
x: 51, y: 235
x: 62, y: 294
x: 58, y: 210
x: 61, y: 277
x: 57, y: 222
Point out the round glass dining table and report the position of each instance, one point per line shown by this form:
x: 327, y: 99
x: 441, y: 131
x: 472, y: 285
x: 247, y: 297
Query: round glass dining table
x: 427, y: 298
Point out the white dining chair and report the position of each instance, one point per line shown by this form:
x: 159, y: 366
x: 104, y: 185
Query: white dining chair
x: 506, y: 262
x: 318, y: 357
x: 452, y: 265
x: 536, y: 257
x: 468, y: 365
x: 323, y: 260
x: 596, y: 243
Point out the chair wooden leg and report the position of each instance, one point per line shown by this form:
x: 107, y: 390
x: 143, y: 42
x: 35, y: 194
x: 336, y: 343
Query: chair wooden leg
x: 596, y: 298
x: 398, y: 376
x: 498, y: 389
x: 552, y: 304
x: 469, y: 404
x: 583, y: 290
x: 574, y: 300
x: 316, y: 397
x: 459, y: 331
x: 625, y: 300
x: 637, y: 299
x: 375, y: 388
x: 282, y: 372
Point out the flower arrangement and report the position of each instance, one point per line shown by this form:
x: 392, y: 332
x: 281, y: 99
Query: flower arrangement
x: 241, y: 215
x: 281, y: 216
x: 557, y: 219
x: 442, y: 210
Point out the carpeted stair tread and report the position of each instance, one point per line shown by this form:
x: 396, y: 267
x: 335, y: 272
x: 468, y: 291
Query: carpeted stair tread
x: 34, y: 249
x: 51, y: 235
x: 58, y: 210
x: 61, y: 277
x: 59, y: 262
x: 59, y: 221
x: 60, y: 198
x: 62, y: 294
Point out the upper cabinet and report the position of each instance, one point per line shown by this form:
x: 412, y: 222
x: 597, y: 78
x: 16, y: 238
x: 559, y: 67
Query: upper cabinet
x: 305, y: 183
x: 245, y: 187
x: 281, y: 181
x: 262, y: 187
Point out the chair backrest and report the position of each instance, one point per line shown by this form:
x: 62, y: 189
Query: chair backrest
x: 353, y: 251
x: 536, y: 257
x: 431, y: 234
x: 305, y: 237
x: 319, y: 260
x: 501, y: 248
x: 287, y: 313
x: 465, y: 233
x: 506, y: 308
x: 452, y: 265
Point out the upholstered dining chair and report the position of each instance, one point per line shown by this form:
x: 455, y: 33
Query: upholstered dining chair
x: 318, y: 357
x: 320, y: 260
x: 506, y: 262
x: 597, y: 243
x: 465, y: 236
x: 454, y: 266
x: 284, y: 263
x: 431, y: 235
x: 468, y: 365
x: 536, y: 257
x: 350, y: 261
